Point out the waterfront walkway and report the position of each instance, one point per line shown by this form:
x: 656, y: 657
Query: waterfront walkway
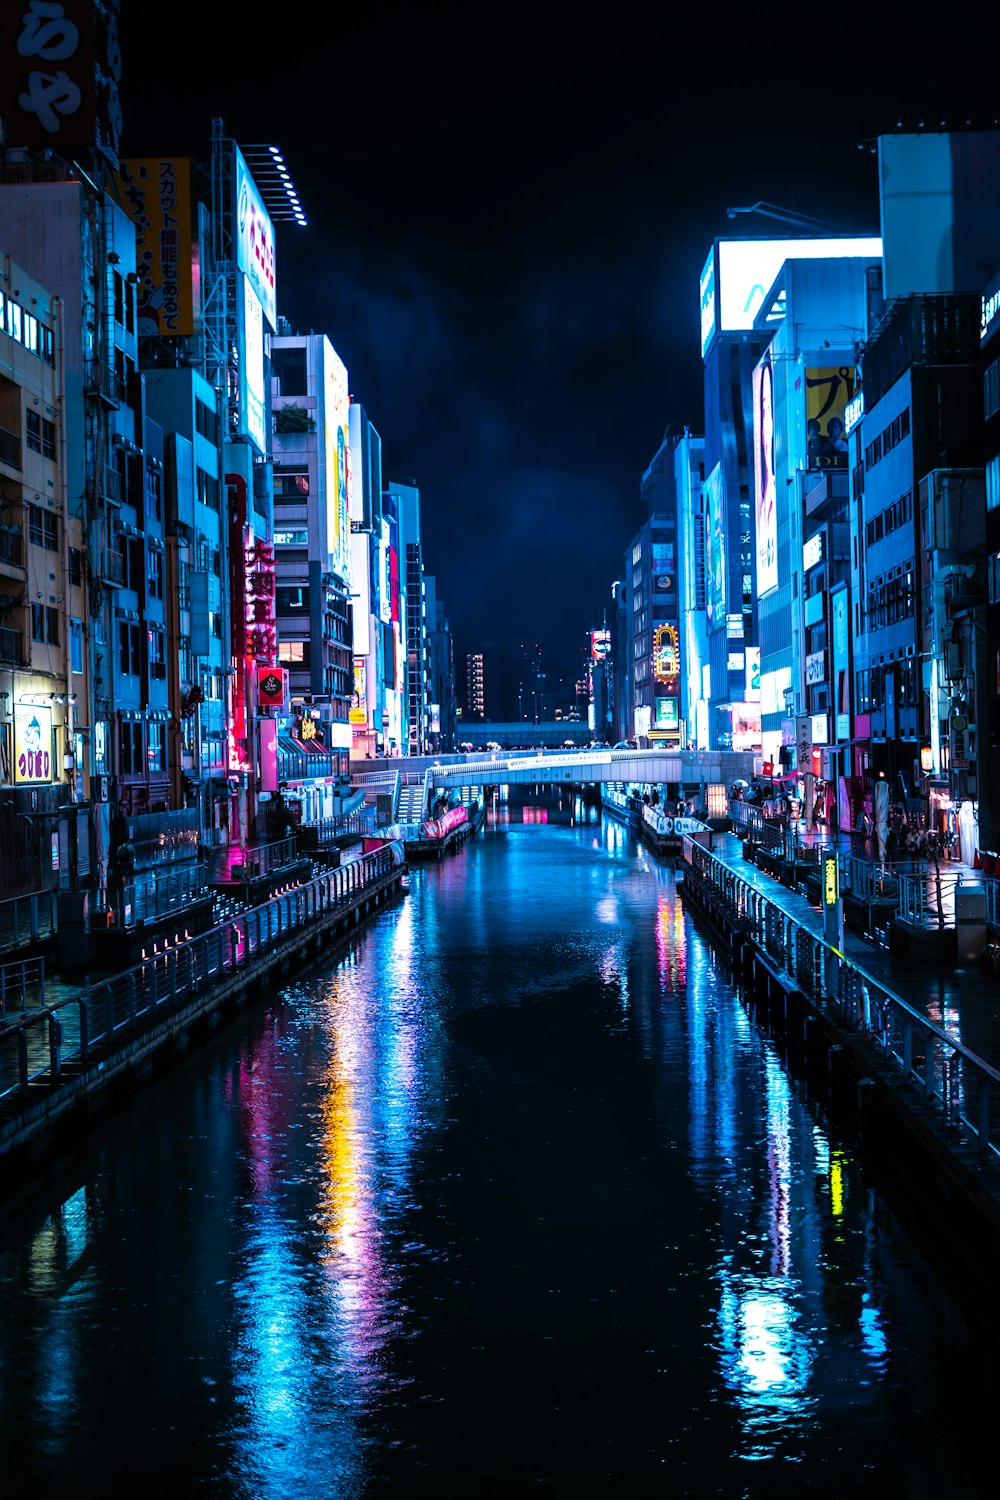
x: 963, y: 1001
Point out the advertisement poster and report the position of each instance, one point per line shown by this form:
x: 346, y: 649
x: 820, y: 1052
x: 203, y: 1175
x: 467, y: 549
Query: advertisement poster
x: 715, y: 549
x: 827, y: 393
x: 765, y: 489
x: 32, y: 745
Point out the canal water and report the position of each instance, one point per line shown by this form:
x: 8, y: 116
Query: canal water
x: 514, y: 1198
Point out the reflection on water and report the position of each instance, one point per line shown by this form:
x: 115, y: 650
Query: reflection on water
x: 514, y: 1195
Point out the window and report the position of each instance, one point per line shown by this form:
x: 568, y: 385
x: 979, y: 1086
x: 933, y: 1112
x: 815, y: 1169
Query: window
x: 289, y: 364
x: 76, y: 645
x: 75, y: 567
x: 155, y: 574
x: 131, y: 748
x: 291, y: 538
x: 154, y: 494
x: 43, y: 528
x: 991, y: 388
x: 290, y: 486
x: 157, y: 654
x: 13, y: 320
x: 204, y: 420
x: 156, y: 755
x: 128, y: 648
x: 288, y: 600
x: 993, y: 483
x: 45, y: 624
x: 208, y: 489
x: 294, y: 653
x: 41, y: 434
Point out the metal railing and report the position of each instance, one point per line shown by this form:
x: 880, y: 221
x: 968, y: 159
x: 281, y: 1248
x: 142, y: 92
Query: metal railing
x: 243, y: 865
x: 961, y: 1088
x: 21, y: 984
x: 11, y: 546
x: 768, y: 832
x: 11, y: 645
x: 329, y: 829
x: 156, y: 893
x: 10, y: 449
x: 992, y: 900
x: 39, y: 1047
x: 27, y: 919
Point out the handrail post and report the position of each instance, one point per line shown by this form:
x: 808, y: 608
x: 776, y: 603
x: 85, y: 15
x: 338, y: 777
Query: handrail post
x: 22, y: 1059
x: 55, y: 1045
x: 984, y: 1116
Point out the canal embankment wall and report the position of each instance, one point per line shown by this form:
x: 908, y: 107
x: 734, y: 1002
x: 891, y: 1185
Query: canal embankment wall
x: 923, y: 1109
x: 65, y: 1067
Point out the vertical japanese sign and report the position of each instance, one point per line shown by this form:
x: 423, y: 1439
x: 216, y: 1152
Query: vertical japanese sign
x: 156, y: 191
x: 32, y: 745
x: 258, y: 593
x: 60, y: 67
x: 255, y: 241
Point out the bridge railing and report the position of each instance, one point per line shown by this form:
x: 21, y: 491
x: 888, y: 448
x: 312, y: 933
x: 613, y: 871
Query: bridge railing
x: 959, y: 1087
x: 37, y: 1047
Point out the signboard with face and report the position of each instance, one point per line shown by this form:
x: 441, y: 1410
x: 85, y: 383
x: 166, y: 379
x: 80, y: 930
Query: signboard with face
x: 32, y: 745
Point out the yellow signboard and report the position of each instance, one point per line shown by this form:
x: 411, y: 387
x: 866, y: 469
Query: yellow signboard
x: 831, y: 887
x: 32, y: 745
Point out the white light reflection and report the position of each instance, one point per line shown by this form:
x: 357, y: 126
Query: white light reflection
x: 765, y: 1359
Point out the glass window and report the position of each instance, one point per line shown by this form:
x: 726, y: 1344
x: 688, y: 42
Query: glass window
x: 156, y: 754
x: 993, y: 483
x: 76, y: 645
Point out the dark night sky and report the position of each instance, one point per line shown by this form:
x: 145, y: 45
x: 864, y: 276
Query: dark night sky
x: 508, y: 215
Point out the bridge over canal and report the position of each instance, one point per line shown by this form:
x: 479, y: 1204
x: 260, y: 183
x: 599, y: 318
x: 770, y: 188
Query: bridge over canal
x: 694, y: 770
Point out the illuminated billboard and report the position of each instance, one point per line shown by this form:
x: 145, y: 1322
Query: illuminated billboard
x: 252, y: 422
x: 706, y: 288
x: 715, y: 549
x: 255, y: 241
x: 600, y: 644
x: 32, y: 745
x: 747, y: 269
x: 666, y: 713
x: 765, y: 489
x: 753, y: 674
x: 156, y: 193
x: 336, y: 411
x: 60, y: 67
x: 828, y: 392
x: 359, y: 704
x: 746, y: 726
x: 666, y: 658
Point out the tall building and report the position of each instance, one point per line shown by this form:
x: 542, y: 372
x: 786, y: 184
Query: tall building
x: 816, y: 313
x: 659, y: 664
x: 312, y: 558
x: 405, y: 500
x: 44, y: 618
x: 689, y: 476
x: 734, y: 287
x: 75, y: 240
x: 368, y: 586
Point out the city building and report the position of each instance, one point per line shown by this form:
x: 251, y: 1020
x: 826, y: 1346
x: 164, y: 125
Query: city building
x: 44, y: 621
x: 312, y: 564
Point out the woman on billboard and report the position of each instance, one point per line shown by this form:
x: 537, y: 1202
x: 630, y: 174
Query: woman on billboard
x: 767, y: 521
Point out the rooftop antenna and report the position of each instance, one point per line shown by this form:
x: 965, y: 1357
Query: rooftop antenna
x: 772, y: 211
